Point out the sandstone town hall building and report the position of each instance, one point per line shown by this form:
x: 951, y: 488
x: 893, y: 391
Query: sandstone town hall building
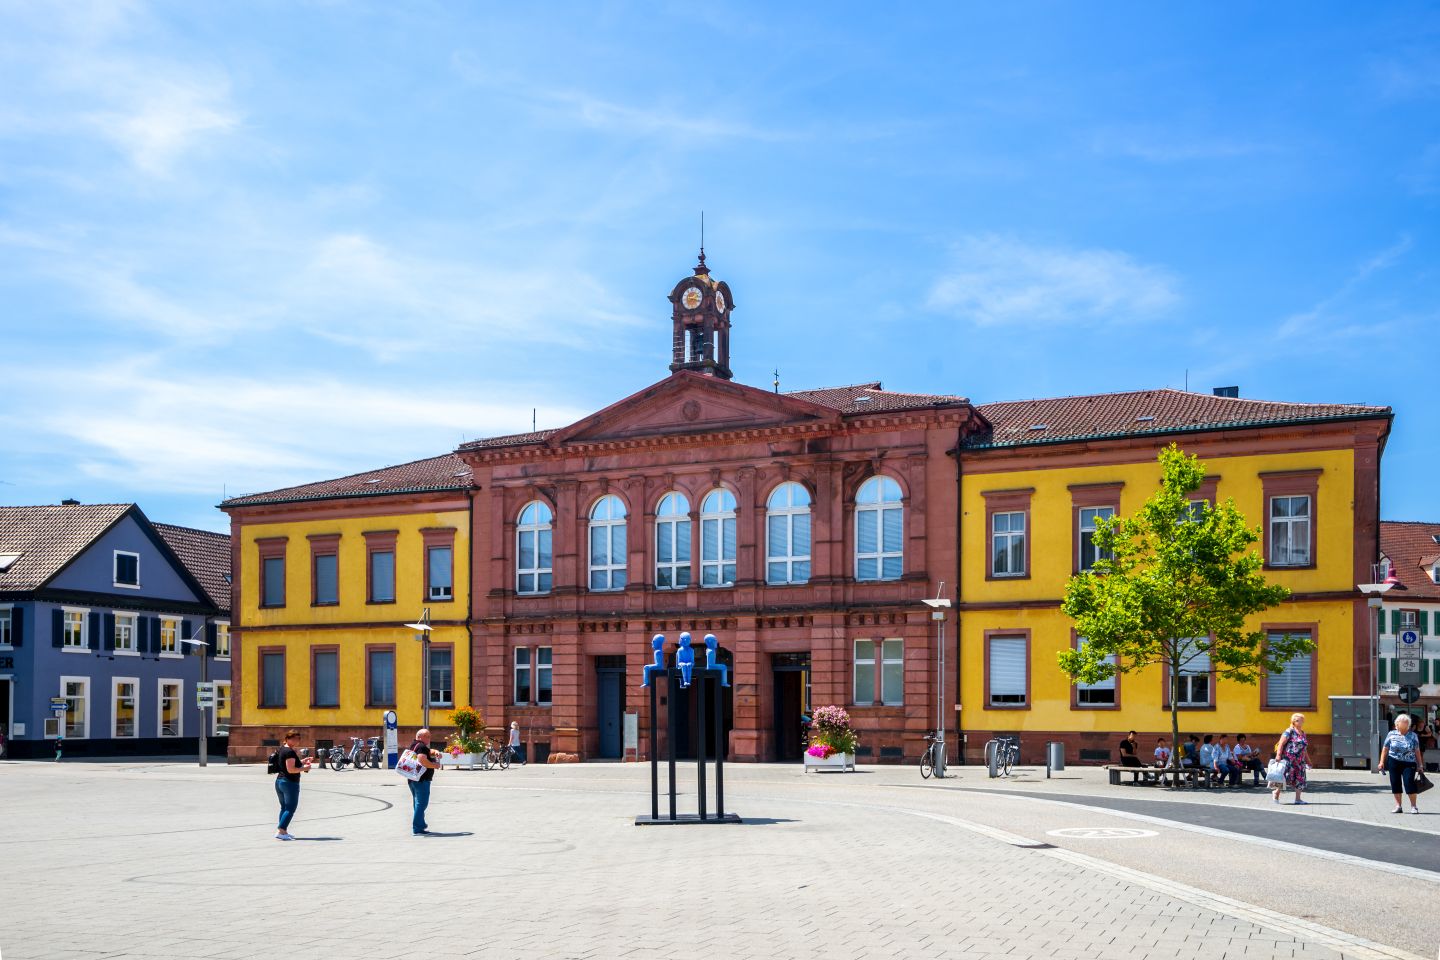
x: 803, y: 529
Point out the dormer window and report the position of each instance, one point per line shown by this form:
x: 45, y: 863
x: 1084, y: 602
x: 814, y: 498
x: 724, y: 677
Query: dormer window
x: 127, y: 569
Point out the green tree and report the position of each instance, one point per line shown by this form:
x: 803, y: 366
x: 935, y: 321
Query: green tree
x: 1173, y: 582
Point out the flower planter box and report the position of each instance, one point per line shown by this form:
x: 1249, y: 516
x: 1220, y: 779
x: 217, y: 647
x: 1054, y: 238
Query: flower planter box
x: 466, y: 760
x: 836, y: 761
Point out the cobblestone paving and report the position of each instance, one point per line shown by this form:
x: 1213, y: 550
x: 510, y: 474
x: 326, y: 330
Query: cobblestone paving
x: 172, y: 861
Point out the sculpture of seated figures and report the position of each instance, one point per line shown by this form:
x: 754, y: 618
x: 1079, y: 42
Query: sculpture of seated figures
x: 685, y: 659
x: 712, y: 647
x: 657, y: 643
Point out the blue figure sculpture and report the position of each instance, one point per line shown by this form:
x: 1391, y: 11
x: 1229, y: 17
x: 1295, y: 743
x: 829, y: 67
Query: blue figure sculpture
x: 711, y: 646
x: 685, y: 659
x: 657, y: 643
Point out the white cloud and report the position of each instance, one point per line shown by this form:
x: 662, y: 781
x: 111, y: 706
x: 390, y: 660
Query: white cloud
x: 1172, y: 146
x: 158, y: 122
x: 996, y: 280
x: 1305, y: 323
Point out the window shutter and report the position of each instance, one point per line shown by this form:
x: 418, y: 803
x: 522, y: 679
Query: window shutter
x: 1394, y: 621
x: 155, y: 636
x: 109, y: 630
x: 211, y: 632
x: 1424, y: 623
x: 94, y: 639
x: 1291, y: 688
x: 57, y: 628
x: 1381, y: 677
x: 17, y: 627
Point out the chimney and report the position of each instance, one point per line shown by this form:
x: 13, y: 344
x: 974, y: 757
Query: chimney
x: 69, y: 502
x: 1226, y: 391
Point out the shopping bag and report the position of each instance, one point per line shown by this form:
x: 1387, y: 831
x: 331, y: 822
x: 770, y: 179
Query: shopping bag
x: 409, y: 766
x: 1275, y: 773
x: 1422, y: 782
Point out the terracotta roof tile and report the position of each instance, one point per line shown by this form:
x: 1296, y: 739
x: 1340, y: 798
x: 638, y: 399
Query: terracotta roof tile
x: 445, y: 472
x: 206, y: 555
x: 1411, y: 548
x: 509, y: 440
x: 47, y: 537
x: 872, y: 398
x: 1141, y: 412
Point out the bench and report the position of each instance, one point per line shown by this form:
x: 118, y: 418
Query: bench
x: 1188, y: 776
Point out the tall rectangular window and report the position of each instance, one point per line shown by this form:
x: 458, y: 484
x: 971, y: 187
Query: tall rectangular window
x: 272, y: 580
x: 1007, y: 544
x: 324, y: 677
x: 864, y: 672
x: 380, y: 676
x: 171, y: 721
x: 522, y: 676
x: 326, y: 579
x: 1089, y: 551
x: 1100, y: 694
x: 892, y: 672
x: 7, y: 637
x: 440, y: 573
x: 125, y: 633
x: 1007, y: 668
x: 169, y: 637
x: 1294, y: 685
x: 1290, y: 531
x: 1194, y: 678
x: 542, y: 676
x: 125, y: 707
x: 222, y: 641
x: 76, y: 691
x: 272, y: 678
x: 127, y: 569
x: 221, y: 720
x: 382, y: 576
x: 442, y: 676
x: 73, y: 635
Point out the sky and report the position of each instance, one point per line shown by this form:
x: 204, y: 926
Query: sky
x: 255, y: 244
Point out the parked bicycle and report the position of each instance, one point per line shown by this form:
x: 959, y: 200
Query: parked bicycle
x: 374, y: 753
x: 495, y: 755
x: 356, y: 755
x: 1007, y: 754
x: 929, y: 760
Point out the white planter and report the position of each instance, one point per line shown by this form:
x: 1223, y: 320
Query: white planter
x: 467, y: 760
x: 836, y: 761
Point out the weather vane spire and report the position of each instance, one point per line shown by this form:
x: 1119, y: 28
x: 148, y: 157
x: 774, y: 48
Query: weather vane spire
x: 700, y: 267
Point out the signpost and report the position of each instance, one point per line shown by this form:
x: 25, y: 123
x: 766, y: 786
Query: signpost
x: 1408, y: 653
x: 205, y: 695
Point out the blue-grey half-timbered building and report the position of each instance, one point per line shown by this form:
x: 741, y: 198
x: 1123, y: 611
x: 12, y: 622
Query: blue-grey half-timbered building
x: 96, y: 605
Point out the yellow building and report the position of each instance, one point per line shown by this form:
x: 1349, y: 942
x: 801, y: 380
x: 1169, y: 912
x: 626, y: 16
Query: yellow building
x: 1032, y: 487
x: 327, y: 576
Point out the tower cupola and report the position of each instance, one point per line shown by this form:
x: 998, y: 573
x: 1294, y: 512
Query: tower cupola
x: 700, y: 311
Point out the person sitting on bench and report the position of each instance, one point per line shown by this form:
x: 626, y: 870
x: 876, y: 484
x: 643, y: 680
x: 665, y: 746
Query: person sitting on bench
x: 1162, y: 752
x: 1128, y: 754
x: 1223, y: 762
x: 1190, y: 753
x: 1248, y: 758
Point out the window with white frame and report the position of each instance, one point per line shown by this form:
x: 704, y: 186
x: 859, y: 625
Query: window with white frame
x: 1007, y: 539
x: 127, y: 569
x: 222, y: 641
x: 543, y: 676
x: 442, y: 676
x: 533, y: 570
x: 787, y: 534
x: 1100, y: 694
x: 1292, y: 686
x: 1409, y: 619
x: 76, y: 691
x: 522, y: 677
x: 171, y: 722
x: 125, y: 633
x: 892, y: 672
x: 125, y: 707
x: 717, y: 539
x: 169, y: 637
x: 1194, y: 676
x: 73, y: 630
x: 1008, y: 669
x: 864, y: 672
x: 1290, y: 531
x: 879, y: 530
x: 220, y: 719
x: 7, y: 627
x: 672, y: 542
x: 440, y: 571
x: 1089, y: 551
x: 607, y: 544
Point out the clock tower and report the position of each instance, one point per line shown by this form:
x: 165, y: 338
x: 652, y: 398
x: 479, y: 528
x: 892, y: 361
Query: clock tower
x: 700, y: 311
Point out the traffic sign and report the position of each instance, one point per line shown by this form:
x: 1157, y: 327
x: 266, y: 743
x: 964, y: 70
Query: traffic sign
x: 58, y: 702
x: 1409, y: 638
x: 1409, y: 693
x: 204, y: 695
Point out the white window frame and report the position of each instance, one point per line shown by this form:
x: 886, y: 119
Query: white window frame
x: 1087, y: 535
x: 444, y: 591
x: 7, y: 631
x: 784, y: 553
x: 517, y: 668
x: 132, y: 621
x: 867, y: 665
x: 178, y: 625
x: 1108, y: 684
x: 530, y: 581
x: 720, y: 520
x: 1186, y: 689
x: 1007, y: 537
x: 430, y: 680
x: 160, y: 708
x: 83, y: 613
x: 115, y: 570
x: 228, y: 687
x: 1409, y: 619
x: 611, y: 575
x: 547, y: 667
x: 673, y: 527
x: 222, y: 633
x: 89, y: 714
x: 888, y: 697
x: 115, y: 733
x: 1293, y: 547
x: 880, y: 507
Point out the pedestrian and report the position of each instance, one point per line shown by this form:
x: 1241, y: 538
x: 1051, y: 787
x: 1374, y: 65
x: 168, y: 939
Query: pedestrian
x: 287, y: 782
x: 1401, y: 756
x: 1224, y: 764
x: 1426, y: 733
x: 1294, y: 749
x: 1248, y: 758
x: 515, y: 742
x: 2, y: 741
x: 420, y: 789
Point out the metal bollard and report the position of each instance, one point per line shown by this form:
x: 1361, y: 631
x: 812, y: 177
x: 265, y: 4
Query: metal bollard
x: 992, y: 758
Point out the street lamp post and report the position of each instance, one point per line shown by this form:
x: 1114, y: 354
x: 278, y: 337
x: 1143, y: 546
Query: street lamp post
x: 938, y: 606
x: 1375, y: 594
x: 422, y: 633
x: 204, y: 679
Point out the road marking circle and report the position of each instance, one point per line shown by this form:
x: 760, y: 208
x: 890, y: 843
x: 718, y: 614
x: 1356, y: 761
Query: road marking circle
x: 1102, y: 833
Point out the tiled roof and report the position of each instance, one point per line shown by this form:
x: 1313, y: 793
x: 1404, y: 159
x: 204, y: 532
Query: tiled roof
x: 446, y: 472
x: 206, y: 555
x: 1143, y: 412
x: 47, y: 537
x: 509, y: 440
x: 1412, y: 549
x: 872, y: 398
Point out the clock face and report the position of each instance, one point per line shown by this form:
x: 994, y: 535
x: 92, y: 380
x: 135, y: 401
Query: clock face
x: 720, y: 301
x: 691, y: 298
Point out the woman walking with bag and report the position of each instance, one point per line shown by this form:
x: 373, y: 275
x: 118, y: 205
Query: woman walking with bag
x: 1401, y: 757
x: 287, y: 782
x: 1294, y: 750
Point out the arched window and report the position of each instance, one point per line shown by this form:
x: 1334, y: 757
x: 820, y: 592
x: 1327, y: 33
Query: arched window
x: 532, y: 549
x: 787, y: 534
x: 607, y: 544
x: 672, y: 542
x: 879, y: 530
x: 717, y: 539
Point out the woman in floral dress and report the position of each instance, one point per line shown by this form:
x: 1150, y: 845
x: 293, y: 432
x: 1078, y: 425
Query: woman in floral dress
x: 1294, y: 749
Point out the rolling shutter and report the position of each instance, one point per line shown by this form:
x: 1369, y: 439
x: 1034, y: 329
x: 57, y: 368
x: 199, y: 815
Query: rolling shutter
x: 1007, y: 669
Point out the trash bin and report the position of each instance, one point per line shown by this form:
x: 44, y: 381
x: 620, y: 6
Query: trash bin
x: 1055, y: 755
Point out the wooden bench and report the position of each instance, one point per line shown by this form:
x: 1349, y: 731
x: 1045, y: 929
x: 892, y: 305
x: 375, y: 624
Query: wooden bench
x: 1162, y: 776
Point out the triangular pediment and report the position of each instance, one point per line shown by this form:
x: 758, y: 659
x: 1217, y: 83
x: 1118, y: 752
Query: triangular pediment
x: 692, y: 403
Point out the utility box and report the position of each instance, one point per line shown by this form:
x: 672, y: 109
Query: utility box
x: 1353, y: 735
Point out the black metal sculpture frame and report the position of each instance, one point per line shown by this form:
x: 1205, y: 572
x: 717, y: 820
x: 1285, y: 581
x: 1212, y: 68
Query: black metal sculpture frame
x: 709, y: 714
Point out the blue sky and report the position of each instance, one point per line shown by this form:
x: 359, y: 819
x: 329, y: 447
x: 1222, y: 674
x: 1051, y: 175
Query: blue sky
x: 248, y: 245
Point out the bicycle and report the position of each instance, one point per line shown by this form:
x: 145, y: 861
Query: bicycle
x: 928, y: 759
x: 495, y: 755
x: 373, y: 754
x: 355, y: 755
x: 1007, y: 755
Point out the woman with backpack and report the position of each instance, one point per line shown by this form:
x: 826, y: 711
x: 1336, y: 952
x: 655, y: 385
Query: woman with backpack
x: 1294, y: 750
x: 287, y: 766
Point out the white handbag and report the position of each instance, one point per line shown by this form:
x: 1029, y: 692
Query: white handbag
x: 1275, y: 772
x: 409, y: 766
